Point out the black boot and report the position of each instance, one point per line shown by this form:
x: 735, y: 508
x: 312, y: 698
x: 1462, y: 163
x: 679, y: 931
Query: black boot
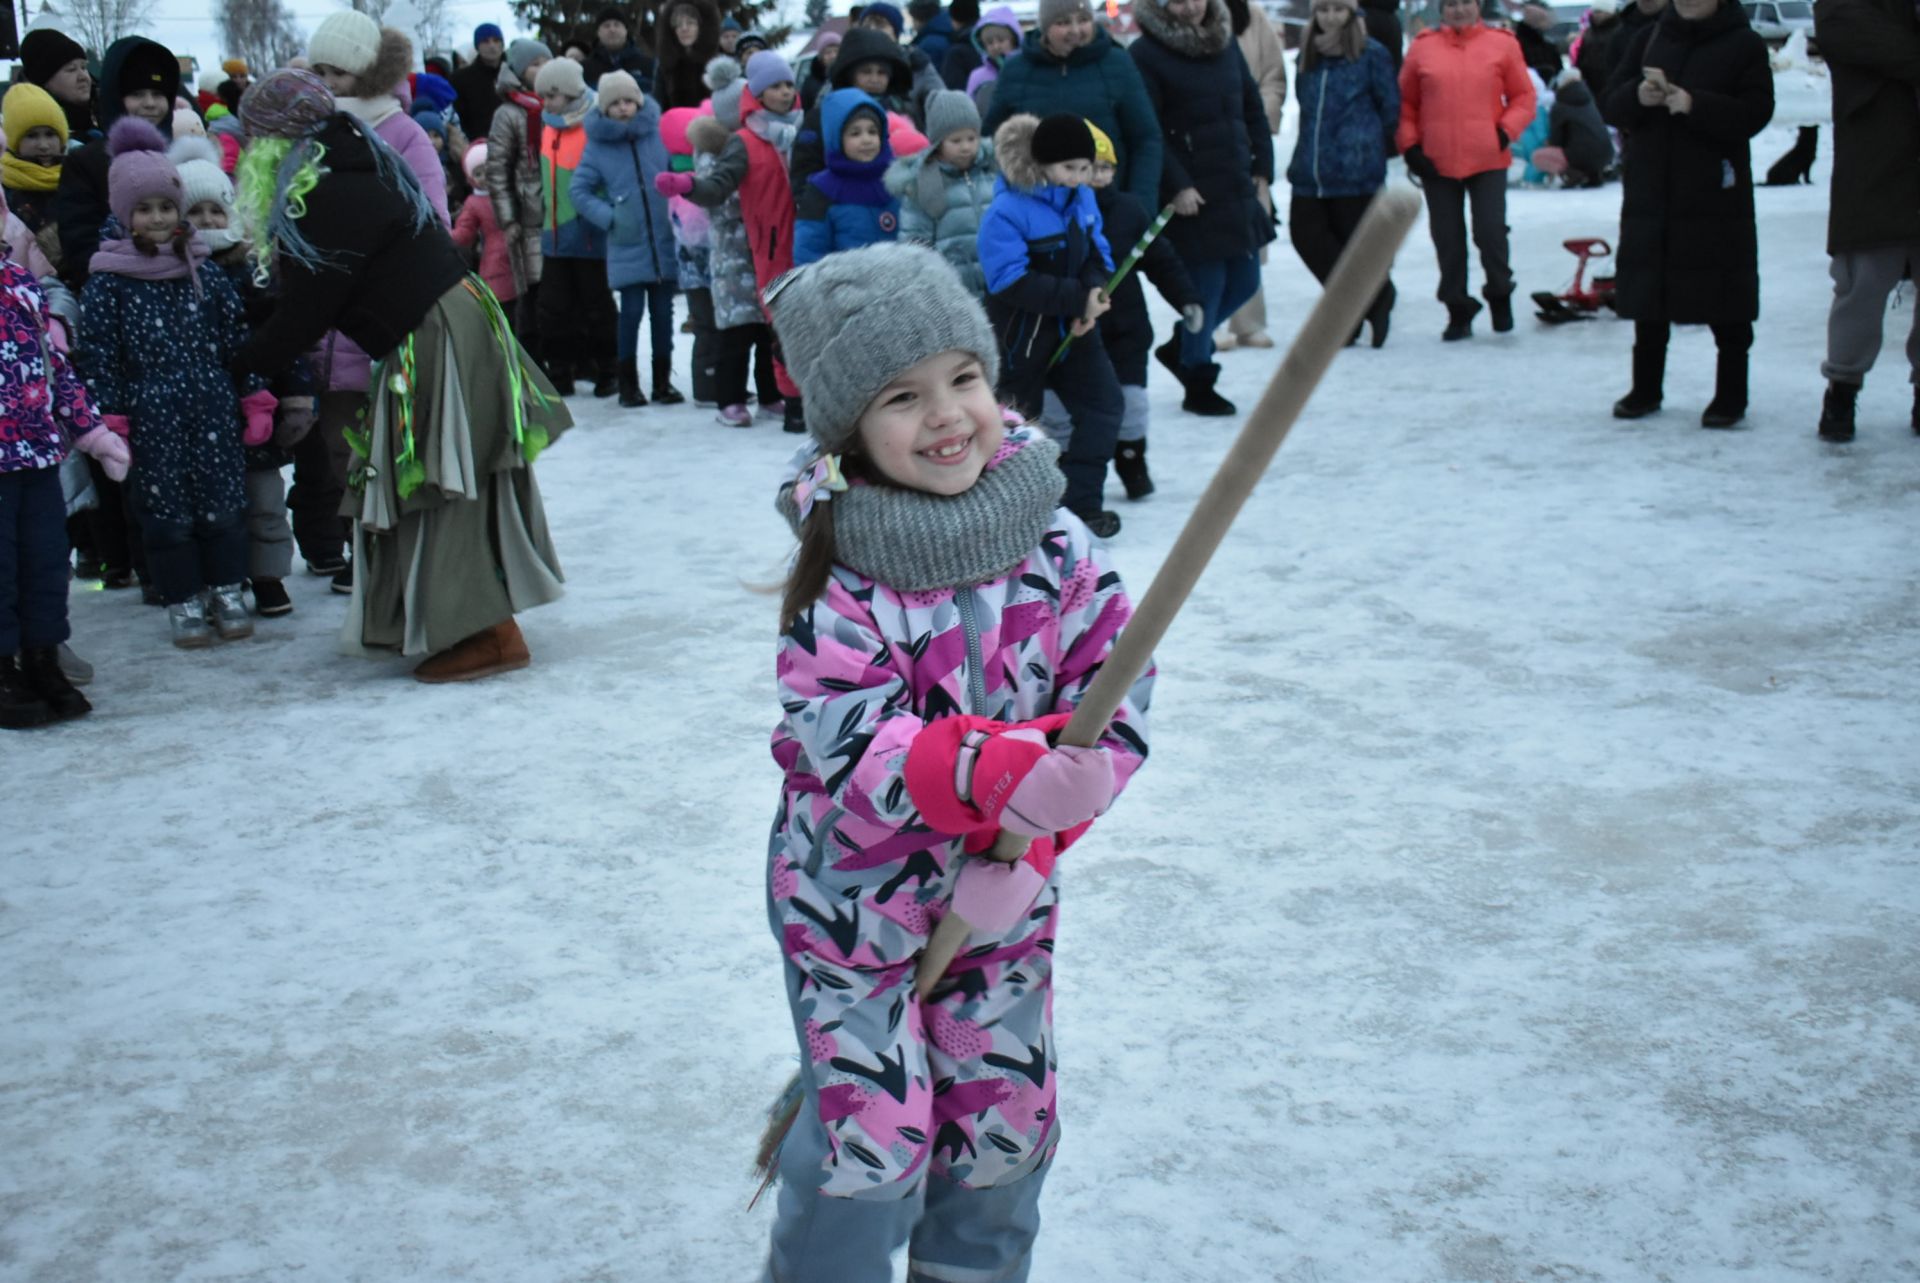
x: 606, y: 382
x: 1836, y: 413
x: 1168, y: 354
x: 1381, y: 313
x: 1130, y: 465
x: 560, y: 374
x: 1460, y: 321
x: 1201, y: 398
x: 40, y: 665
x: 630, y: 396
x: 795, y: 418
x: 1649, y: 381
x: 21, y: 706
x: 1502, y: 308
x: 664, y: 393
x: 1104, y: 524
x: 1729, y: 404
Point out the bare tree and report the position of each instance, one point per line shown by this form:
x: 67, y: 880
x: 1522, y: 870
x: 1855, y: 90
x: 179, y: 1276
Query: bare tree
x: 98, y: 23
x: 426, y: 22
x: 260, y: 31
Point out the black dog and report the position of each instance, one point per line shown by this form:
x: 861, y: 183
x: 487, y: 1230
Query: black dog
x: 1797, y: 165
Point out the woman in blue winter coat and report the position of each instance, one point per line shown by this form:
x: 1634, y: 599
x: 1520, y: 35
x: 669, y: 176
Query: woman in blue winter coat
x: 847, y: 204
x: 613, y: 190
x: 1349, y: 108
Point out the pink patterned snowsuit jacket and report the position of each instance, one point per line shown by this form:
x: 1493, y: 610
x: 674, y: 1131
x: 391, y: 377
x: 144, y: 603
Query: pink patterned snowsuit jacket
x: 963, y: 1088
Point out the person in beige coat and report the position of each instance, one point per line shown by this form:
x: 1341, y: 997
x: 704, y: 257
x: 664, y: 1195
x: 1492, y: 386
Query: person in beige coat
x: 1267, y: 59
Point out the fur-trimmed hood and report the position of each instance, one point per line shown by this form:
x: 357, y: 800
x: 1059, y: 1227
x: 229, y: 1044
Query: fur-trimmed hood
x: 1013, y: 152
x: 391, y: 63
x: 1203, y: 41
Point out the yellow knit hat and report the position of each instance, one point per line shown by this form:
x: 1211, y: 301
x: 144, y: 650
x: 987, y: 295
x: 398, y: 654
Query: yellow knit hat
x: 234, y: 66
x: 1103, y: 153
x: 28, y: 107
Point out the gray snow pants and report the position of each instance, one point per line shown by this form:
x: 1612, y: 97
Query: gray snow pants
x: 1862, y: 279
x: 1447, y: 221
x: 269, y: 537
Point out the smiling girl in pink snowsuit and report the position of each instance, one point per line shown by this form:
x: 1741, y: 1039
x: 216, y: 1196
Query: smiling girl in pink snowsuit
x: 943, y: 615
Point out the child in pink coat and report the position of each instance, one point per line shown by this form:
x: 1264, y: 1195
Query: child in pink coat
x: 477, y: 224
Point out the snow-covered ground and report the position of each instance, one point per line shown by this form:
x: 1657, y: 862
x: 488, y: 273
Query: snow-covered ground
x: 1522, y: 887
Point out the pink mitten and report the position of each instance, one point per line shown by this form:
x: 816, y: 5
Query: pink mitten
x: 258, y: 409
x: 1068, y: 786
x: 990, y: 897
x: 110, y: 449
x: 673, y: 184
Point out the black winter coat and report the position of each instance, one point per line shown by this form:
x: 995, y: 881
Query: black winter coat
x: 476, y: 97
x: 388, y: 274
x: 630, y: 58
x: 1872, y: 48
x: 678, y: 72
x: 80, y: 202
x: 1214, y: 128
x: 1383, y: 24
x: 1626, y: 33
x: 1127, y: 330
x: 1688, y: 249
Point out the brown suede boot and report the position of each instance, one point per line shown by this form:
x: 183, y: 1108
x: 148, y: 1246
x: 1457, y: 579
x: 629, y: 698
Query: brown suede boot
x: 499, y: 649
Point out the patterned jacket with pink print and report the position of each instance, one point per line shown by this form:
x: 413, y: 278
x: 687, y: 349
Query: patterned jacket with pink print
x: 857, y: 876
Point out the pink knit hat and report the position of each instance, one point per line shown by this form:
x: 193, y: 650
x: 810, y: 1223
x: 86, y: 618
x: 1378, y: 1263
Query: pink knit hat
x: 139, y: 170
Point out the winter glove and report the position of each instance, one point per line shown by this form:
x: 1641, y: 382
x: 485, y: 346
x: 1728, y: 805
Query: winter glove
x: 294, y: 420
x: 1068, y: 786
x: 110, y: 448
x: 673, y: 184
x: 1418, y: 165
x: 1194, y: 317
x: 1501, y: 134
x: 257, y: 409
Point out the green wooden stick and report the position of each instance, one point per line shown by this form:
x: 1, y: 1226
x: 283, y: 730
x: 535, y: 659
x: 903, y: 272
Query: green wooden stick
x: 1126, y: 265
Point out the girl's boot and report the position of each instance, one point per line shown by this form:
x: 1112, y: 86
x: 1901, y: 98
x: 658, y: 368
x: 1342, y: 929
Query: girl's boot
x: 188, y: 621
x: 21, y: 707
x: 40, y: 665
x: 664, y: 393
x: 1130, y: 464
x: 227, y: 611
x: 1729, y: 404
x: 630, y: 396
x: 1837, y: 413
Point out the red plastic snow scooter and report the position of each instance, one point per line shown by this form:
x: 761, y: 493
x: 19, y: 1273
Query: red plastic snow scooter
x: 1581, y: 302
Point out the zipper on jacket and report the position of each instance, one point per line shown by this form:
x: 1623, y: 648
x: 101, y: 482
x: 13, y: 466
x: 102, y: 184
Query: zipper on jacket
x: 646, y: 204
x: 970, y: 629
x: 1319, y: 123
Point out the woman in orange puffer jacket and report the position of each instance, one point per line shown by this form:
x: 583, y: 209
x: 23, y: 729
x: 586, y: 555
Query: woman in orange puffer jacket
x: 1464, y: 98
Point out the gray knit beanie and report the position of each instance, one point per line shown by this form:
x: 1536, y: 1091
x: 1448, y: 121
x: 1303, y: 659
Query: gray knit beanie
x: 522, y: 54
x: 1051, y: 11
x: 850, y: 323
x: 948, y: 111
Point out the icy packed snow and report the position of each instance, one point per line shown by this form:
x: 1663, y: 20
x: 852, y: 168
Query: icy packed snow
x: 1522, y: 888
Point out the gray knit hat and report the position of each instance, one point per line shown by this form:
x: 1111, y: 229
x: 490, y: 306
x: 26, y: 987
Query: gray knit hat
x: 949, y: 110
x: 522, y: 54
x: 1051, y: 11
x: 850, y: 323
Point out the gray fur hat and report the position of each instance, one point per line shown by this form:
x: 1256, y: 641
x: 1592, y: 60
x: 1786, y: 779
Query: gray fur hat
x: 850, y: 323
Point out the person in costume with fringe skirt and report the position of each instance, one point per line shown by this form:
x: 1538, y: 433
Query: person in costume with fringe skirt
x: 450, y: 537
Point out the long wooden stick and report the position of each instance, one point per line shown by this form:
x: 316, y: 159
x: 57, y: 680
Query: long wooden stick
x: 1350, y: 291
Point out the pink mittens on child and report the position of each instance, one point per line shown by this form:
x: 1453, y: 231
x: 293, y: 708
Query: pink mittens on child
x: 1068, y: 786
x: 673, y: 184
x: 257, y: 408
x: 109, y: 445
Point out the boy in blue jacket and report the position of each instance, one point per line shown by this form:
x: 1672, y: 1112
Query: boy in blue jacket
x: 847, y: 204
x: 1046, y: 260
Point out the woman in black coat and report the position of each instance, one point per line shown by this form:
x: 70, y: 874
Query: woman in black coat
x: 1216, y: 162
x: 689, y: 37
x: 1690, y: 93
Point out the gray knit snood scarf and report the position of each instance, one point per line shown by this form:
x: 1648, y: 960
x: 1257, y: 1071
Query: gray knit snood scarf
x: 913, y: 541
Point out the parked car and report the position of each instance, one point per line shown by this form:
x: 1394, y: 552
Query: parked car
x: 1775, y: 21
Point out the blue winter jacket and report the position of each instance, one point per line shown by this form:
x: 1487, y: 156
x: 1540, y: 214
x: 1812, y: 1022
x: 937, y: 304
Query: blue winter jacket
x: 613, y: 190
x: 1348, y: 111
x: 824, y: 224
x: 1041, y: 250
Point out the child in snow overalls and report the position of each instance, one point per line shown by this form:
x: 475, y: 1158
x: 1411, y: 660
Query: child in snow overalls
x: 846, y: 204
x: 43, y: 410
x: 157, y: 331
x: 1046, y: 260
x: 943, y: 615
